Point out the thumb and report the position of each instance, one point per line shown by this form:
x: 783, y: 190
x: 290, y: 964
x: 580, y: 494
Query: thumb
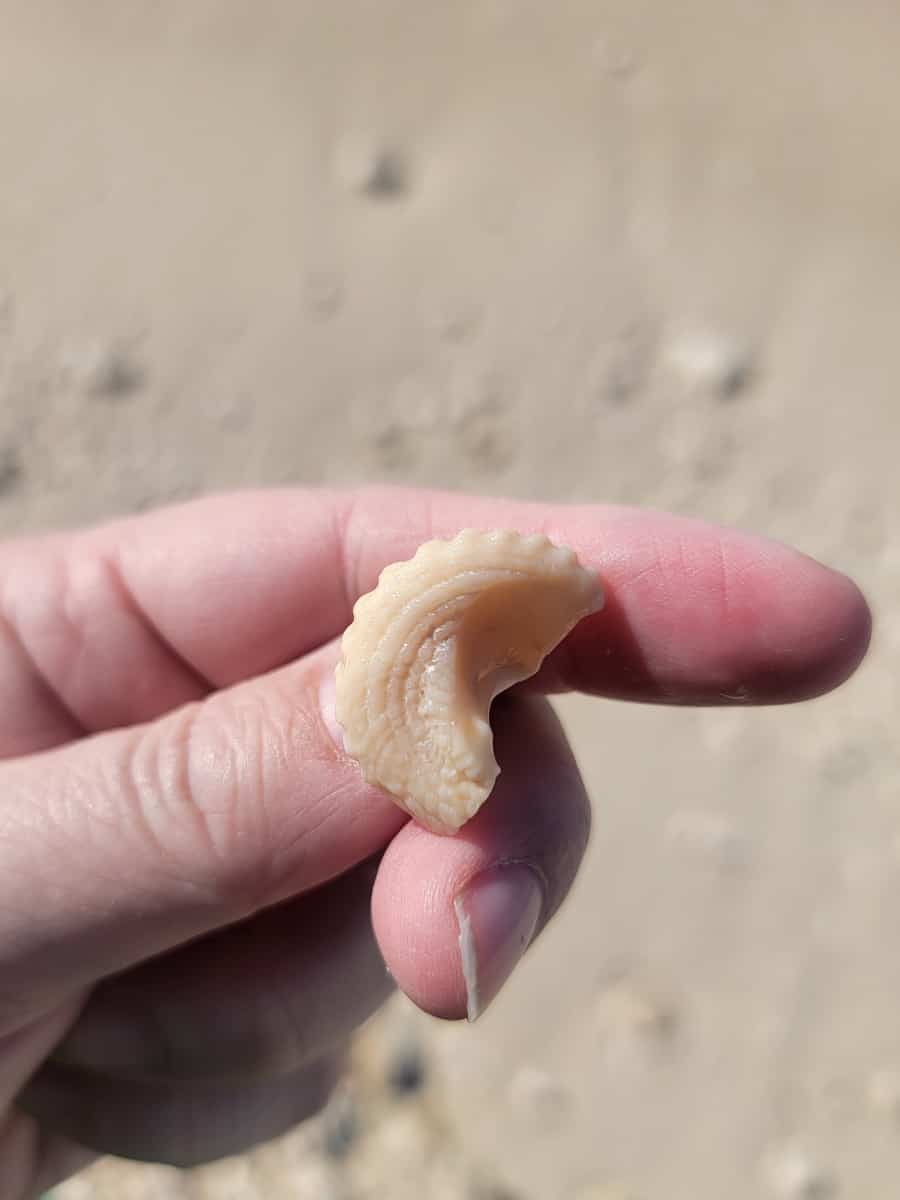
x: 128, y: 843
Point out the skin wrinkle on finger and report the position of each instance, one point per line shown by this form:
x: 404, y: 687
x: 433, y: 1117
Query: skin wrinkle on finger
x: 299, y: 597
x: 80, y: 626
x: 345, y: 554
x: 80, y: 823
x: 34, y: 716
x: 130, y: 604
x: 327, y: 698
x: 222, y: 767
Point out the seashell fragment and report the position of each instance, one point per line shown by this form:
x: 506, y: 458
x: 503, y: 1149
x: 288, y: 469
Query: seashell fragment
x: 428, y: 650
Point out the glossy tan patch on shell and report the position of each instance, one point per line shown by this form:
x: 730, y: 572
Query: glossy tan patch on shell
x: 431, y: 646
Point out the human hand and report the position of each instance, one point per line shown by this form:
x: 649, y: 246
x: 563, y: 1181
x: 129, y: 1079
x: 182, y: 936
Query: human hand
x: 190, y: 866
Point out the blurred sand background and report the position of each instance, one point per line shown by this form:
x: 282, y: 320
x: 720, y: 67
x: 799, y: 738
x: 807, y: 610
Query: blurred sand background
x: 625, y: 251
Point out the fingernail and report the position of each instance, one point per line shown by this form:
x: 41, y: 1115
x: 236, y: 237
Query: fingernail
x: 497, y: 914
x: 327, y: 693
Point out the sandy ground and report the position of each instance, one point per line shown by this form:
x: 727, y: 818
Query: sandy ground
x: 622, y: 251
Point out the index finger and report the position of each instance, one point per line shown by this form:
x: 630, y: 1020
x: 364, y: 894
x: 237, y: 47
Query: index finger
x: 196, y: 597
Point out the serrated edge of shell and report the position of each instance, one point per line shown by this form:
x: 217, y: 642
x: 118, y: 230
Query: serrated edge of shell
x: 536, y: 548
x: 533, y: 546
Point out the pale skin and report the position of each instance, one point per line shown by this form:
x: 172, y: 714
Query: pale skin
x: 172, y: 772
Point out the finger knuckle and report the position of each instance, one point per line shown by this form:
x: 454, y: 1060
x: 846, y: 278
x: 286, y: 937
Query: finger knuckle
x: 203, y: 779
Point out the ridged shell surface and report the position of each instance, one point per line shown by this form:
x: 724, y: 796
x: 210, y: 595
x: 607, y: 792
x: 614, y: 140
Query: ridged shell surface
x: 430, y: 647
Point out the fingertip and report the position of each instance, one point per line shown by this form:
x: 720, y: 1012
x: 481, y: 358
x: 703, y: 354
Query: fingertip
x: 415, y: 925
x: 701, y: 615
x: 860, y: 625
x: 453, y: 915
x: 852, y: 624
x: 824, y: 629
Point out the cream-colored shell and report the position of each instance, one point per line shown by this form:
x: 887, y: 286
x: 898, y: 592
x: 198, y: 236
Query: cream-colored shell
x: 430, y: 648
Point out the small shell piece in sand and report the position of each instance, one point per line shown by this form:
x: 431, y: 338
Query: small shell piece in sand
x: 428, y: 650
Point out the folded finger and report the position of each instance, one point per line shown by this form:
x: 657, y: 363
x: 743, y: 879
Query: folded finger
x: 184, y: 1123
x: 258, y: 999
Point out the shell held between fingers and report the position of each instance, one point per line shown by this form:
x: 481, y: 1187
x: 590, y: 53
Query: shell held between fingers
x: 431, y: 646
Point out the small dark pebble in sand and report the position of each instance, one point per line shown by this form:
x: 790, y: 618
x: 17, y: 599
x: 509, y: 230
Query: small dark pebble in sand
x: 10, y: 469
x: 341, y: 1126
x: 406, y: 1073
